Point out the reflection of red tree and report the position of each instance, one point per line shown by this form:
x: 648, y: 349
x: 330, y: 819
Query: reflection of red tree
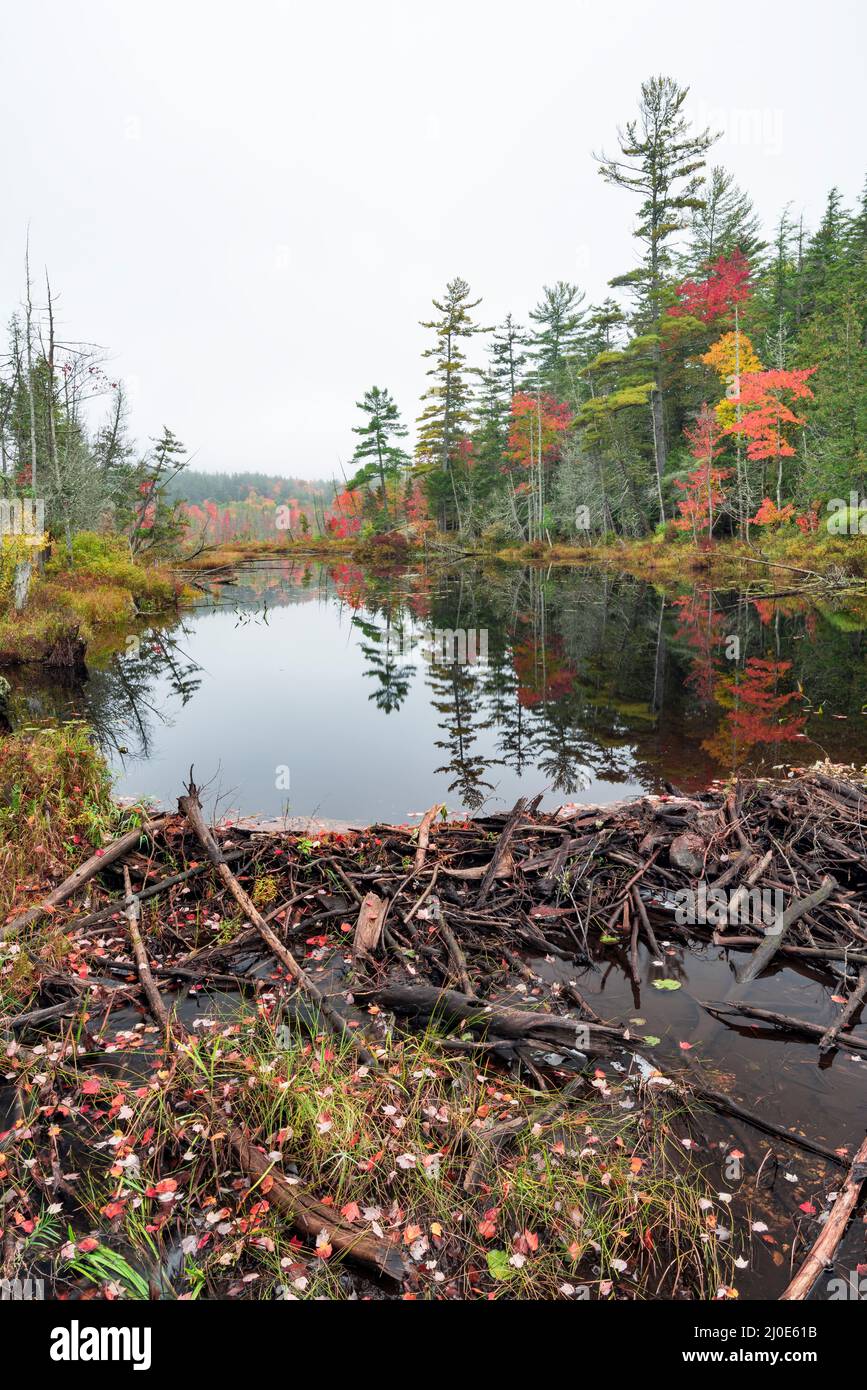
x: 757, y: 716
x: 765, y: 609
x: 540, y: 680
x: 702, y: 628
x: 350, y: 584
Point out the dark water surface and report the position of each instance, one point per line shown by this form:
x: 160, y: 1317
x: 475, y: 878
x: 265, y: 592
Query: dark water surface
x: 300, y: 688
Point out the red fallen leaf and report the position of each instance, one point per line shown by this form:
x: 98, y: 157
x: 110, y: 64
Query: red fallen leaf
x: 487, y: 1229
x: 351, y: 1211
x: 267, y: 1183
x: 112, y: 1209
x: 317, y: 941
x: 735, y: 1153
x: 807, y: 1207
x: 685, y: 1046
x: 163, y: 1186
x: 85, y: 1246
x: 90, y: 1087
x: 532, y: 1241
x: 636, y: 1164
x: 412, y: 1233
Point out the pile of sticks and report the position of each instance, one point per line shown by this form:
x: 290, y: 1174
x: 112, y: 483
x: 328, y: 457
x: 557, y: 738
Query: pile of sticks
x: 443, y: 915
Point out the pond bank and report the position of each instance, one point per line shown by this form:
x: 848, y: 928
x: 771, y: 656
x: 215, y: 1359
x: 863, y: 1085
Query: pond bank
x: 408, y: 1031
x: 73, y: 609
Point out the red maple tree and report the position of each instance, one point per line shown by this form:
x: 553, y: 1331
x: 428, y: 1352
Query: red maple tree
x: 703, y: 490
x: 725, y: 285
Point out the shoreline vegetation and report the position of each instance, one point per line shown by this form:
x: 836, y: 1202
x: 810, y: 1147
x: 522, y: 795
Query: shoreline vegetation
x: 78, y: 604
x: 256, y: 1064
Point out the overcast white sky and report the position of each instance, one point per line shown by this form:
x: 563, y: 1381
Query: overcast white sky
x: 252, y: 204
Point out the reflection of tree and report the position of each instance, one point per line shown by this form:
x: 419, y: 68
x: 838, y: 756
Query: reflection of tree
x: 757, y: 710
x: 118, y: 697
x: 456, y: 697
x: 383, y: 648
x: 507, y: 714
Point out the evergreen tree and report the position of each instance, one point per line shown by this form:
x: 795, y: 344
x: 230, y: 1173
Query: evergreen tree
x: 556, y: 337
x: 662, y: 163
x: 724, y: 223
x: 447, y: 416
x: 375, y: 455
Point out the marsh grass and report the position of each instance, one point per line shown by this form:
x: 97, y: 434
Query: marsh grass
x: 600, y: 1202
x: 55, y: 808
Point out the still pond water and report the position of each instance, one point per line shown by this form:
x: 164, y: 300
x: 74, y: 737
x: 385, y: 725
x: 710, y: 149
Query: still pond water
x: 326, y: 691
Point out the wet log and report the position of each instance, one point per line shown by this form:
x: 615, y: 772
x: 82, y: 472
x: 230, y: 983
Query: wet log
x: 829, y: 1038
x: 498, y: 1021
x: 314, y: 1219
x: 83, y: 874
x: 773, y: 940
x: 825, y: 1246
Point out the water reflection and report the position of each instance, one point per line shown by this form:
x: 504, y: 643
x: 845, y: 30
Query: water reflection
x: 365, y: 685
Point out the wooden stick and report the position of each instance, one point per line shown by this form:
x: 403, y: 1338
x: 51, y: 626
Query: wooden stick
x: 190, y: 806
x: 456, y: 955
x: 795, y: 1025
x: 424, y: 830
x: 368, y: 928
x: 95, y: 864
x: 856, y: 998
x: 773, y: 939
x: 132, y: 913
x: 828, y: 1239
x: 718, y: 1100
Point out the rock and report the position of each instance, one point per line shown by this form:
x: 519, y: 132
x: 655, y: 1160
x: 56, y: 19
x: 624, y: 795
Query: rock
x: 687, y: 853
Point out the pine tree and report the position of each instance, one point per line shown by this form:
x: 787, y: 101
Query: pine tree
x: 559, y: 321
x: 375, y: 456
x: 447, y: 417
x: 726, y: 222
x: 662, y: 163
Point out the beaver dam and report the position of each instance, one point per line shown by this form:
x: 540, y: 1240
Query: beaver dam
x: 603, y: 1052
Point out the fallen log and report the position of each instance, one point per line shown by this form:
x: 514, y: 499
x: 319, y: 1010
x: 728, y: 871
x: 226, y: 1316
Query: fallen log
x: 825, y: 1246
x: 98, y: 861
x: 314, y: 1219
x: 425, y: 1001
x: 773, y: 939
